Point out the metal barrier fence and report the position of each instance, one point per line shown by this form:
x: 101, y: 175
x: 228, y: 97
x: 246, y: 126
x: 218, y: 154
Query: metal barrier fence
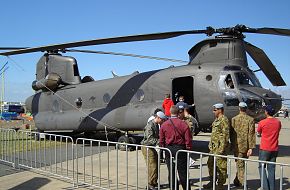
x: 253, y: 171
x: 101, y: 164
x: 8, y: 139
x: 49, y: 153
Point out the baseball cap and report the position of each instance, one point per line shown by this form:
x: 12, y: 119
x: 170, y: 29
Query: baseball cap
x: 243, y: 105
x: 218, y: 106
x: 161, y: 115
x: 270, y: 109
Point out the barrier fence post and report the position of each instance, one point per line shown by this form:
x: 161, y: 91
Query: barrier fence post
x: 214, y: 172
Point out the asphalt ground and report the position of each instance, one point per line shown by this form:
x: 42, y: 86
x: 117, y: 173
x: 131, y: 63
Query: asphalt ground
x: 31, y: 179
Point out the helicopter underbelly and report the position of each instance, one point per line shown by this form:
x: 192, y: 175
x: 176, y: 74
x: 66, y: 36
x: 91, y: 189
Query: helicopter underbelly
x: 126, y: 118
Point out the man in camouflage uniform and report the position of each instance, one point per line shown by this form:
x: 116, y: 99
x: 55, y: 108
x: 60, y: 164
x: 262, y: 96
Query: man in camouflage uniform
x: 243, y: 140
x: 151, y: 138
x: 190, y: 120
x: 219, y: 144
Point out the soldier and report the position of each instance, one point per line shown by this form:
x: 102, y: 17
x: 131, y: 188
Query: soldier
x: 151, y: 138
x: 243, y: 140
x: 219, y: 144
x: 190, y: 120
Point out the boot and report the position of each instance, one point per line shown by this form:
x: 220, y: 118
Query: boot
x: 220, y: 187
x: 209, y: 185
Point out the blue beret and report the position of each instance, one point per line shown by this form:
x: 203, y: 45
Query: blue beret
x: 161, y: 115
x: 243, y: 105
x: 218, y: 106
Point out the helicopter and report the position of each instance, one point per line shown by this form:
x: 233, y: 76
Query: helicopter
x: 217, y: 71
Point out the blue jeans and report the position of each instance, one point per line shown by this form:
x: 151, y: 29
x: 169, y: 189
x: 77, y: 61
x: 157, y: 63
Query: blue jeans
x: 269, y: 177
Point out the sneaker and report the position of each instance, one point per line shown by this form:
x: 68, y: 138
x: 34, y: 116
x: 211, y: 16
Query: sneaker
x: 191, y: 163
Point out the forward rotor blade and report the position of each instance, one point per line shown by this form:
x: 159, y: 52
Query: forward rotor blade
x: 133, y: 38
x: 265, y: 64
x: 12, y: 48
x: 274, y: 31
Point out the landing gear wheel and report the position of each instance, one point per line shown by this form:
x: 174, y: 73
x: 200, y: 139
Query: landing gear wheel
x: 123, y: 139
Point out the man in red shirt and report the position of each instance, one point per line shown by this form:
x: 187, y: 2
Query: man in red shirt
x: 268, y: 129
x: 166, y: 105
x: 175, y: 135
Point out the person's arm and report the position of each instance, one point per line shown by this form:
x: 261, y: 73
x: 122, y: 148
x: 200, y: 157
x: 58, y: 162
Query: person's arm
x: 224, y: 138
x: 188, y: 138
x: 151, y: 139
x: 251, y: 137
x: 232, y: 132
x: 161, y: 137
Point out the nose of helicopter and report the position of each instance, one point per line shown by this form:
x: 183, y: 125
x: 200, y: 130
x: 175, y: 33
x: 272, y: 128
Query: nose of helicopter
x: 258, y: 98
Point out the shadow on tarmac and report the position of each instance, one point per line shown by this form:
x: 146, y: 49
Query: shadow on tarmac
x: 34, y: 183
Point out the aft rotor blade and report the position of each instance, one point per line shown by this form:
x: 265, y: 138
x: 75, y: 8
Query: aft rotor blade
x: 274, y: 31
x: 133, y: 38
x: 265, y: 64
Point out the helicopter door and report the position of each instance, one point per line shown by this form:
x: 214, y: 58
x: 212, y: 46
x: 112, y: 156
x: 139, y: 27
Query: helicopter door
x: 183, y: 86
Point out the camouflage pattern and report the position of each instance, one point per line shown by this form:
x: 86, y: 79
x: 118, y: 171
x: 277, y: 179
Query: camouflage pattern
x: 240, y: 164
x: 219, y: 141
x: 191, y: 122
x: 243, y: 138
x: 243, y: 133
x: 219, y: 144
x: 221, y: 169
x: 151, y: 134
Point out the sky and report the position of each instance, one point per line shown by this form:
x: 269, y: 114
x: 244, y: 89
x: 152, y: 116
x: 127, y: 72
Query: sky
x: 33, y: 23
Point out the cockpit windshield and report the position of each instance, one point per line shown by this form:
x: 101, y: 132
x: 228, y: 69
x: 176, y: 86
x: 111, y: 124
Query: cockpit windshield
x: 244, y: 79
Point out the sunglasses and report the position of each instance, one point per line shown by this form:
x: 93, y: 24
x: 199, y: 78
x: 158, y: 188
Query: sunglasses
x: 215, y: 110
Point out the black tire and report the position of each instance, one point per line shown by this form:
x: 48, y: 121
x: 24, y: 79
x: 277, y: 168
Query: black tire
x: 123, y: 139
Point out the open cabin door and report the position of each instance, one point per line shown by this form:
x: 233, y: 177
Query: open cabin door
x: 183, y: 86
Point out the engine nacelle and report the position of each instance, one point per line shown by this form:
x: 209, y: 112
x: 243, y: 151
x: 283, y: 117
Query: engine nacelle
x: 51, y: 81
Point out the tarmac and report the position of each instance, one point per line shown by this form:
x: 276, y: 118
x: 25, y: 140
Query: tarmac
x: 14, y: 179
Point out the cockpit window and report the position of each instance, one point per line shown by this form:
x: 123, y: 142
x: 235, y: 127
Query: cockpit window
x: 229, y: 82
x: 243, y: 79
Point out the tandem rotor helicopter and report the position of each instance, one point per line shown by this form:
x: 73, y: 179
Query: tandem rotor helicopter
x: 217, y: 71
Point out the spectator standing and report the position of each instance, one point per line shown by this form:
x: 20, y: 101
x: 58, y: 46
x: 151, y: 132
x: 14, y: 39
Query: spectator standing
x: 166, y: 105
x: 243, y: 140
x: 286, y: 114
x: 175, y: 135
x: 269, y: 130
x: 219, y: 144
x: 181, y: 104
x: 151, y: 138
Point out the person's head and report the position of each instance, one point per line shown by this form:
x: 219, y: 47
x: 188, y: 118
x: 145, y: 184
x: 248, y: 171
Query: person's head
x: 243, y: 106
x: 181, y: 98
x: 160, y: 117
x: 174, y: 111
x: 156, y: 110
x: 167, y: 95
x: 269, y: 110
x: 218, y: 109
x: 186, y: 110
x: 181, y: 113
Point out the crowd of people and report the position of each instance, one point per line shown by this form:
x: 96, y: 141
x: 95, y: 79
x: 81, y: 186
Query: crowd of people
x: 172, y: 129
